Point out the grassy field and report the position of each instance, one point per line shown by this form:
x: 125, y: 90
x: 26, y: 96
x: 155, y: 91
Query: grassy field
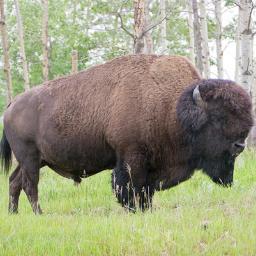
x: 194, y: 218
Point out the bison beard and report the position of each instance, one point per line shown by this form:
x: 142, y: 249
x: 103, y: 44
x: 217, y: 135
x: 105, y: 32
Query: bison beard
x: 150, y: 118
x: 220, y: 170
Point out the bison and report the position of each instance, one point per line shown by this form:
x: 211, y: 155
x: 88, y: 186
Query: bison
x: 150, y: 118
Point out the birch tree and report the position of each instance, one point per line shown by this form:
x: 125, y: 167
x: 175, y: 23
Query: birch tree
x: 191, y: 32
x: 22, y: 45
x: 246, y: 64
x: 74, y: 61
x: 246, y: 56
x: 7, y: 68
x: 204, y: 41
x: 139, y: 25
x: 251, y: 142
x: 197, y: 37
x: 163, y: 41
x: 143, y: 42
x: 219, y: 51
x: 45, y: 40
x: 238, y: 48
x: 148, y: 37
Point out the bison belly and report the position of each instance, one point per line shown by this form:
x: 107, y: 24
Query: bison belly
x: 73, y: 154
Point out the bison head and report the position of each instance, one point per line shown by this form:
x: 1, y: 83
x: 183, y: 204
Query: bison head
x: 215, y: 116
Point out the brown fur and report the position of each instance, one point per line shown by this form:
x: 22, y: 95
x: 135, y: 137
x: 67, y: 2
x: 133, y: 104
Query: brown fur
x: 120, y: 114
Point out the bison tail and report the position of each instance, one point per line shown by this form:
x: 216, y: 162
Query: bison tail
x: 5, y: 154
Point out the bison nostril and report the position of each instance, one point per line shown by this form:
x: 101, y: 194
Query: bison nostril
x: 238, y: 148
x: 239, y: 145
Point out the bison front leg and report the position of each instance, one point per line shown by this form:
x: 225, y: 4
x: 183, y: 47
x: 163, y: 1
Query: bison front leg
x: 129, y: 182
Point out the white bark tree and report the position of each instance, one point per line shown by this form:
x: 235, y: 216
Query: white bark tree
x: 163, y: 35
x: 238, y: 48
x: 246, y: 64
x: 197, y: 37
x: 219, y: 50
x: 205, y: 47
x: 6, y: 59
x: 246, y: 57
x: 191, y: 32
x: 139, y: 25
x: 74, y: 61
x: 143, y: 42
x: 148, y: 37
x: 251, y: 142
x: 22, y: 45
x: 45, y: 40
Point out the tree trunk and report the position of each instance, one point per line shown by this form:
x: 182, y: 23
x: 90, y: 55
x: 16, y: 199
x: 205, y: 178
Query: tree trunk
x: 197, y: 37
x: 246, y: 53
x: 22, y: 46
x: 163, y: 40
x: 246, y: 75
x: 148, y: 37
x: 7, y: 69
x: 191, y: 32
x: 139, y: 25
x: 238, y: 48
x: 219, y: 52
x: 45, y: 40
x: 251, y: 141
x: 74, y: 61
x: 205, y: 47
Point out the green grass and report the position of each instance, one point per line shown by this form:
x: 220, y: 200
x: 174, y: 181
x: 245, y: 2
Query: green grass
x: 194, y: 218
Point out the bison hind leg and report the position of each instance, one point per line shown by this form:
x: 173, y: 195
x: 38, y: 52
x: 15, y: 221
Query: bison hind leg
x: 30, y: 180
x: 15, y: 186
x: 29, y: 160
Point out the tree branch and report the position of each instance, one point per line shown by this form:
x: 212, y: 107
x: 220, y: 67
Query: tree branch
x: 237, y: 4
x: 152, y: 26
x: 123, y: 27
x: 250, y: 16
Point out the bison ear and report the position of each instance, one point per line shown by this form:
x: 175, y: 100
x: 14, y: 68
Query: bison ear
x: 191, y: 109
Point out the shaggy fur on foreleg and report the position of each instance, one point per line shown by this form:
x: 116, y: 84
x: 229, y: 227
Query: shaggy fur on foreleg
x: 129, y: 183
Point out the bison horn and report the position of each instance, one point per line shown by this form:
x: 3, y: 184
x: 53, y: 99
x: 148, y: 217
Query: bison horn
x: 197, y: 97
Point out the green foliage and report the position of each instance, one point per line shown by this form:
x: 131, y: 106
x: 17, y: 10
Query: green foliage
x: 230, y: 3
x: 90, y: 27
x: 196, y: 217
x: 211, y: 28
x: 93, y: 29
x: 229, y: 31
x: 177, y: 31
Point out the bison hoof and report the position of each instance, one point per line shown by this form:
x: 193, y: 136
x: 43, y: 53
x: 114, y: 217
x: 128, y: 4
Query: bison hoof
x: 12, y: 211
